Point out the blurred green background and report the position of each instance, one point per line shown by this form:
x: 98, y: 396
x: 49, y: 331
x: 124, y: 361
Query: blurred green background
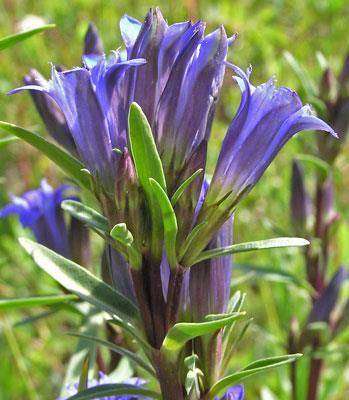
x: 34, y: 355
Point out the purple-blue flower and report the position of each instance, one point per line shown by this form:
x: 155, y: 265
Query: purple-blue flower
x: 266, y: 119
x: 40, y: 210
x: 103, y: 379
x: 234, y: 393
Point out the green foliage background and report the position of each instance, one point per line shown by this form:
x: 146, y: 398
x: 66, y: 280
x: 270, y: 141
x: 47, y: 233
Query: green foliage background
x: 34, y: 355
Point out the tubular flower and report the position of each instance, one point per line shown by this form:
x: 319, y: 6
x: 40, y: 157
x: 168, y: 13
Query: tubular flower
x: 266, y: 119
x: 150, y: 182
x: 40, y: 210
x: 182, y: 79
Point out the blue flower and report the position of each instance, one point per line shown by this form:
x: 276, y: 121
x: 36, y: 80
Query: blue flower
x: 40, y: 210
x: 234, y: 393
x: 266, y: 119
x: 103, y: 379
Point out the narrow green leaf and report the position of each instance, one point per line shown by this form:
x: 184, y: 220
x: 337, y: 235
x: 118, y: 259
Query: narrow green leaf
x: 136, y: 335
x: 303, y: 76
x: 251, y: 246
x: 120, y: 350
x: 20, y: 36
x: 322, y: 166
x: 81, y: 282
x: 169, y: 221
x: 143, y: 148
x: 257, y: 366
x: 7, y: 140
x: 37, y: 301
x: 69, y: 165
x: 190, y: 238
x: 178, y: 193
x: 93, y: 320
x: 86, y: 214
x: 84, y: 373
x: 274, y: 275
x: 116, y: 389
x: 182, y: 332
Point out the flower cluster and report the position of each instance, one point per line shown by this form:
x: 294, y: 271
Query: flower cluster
x: 168, y: 80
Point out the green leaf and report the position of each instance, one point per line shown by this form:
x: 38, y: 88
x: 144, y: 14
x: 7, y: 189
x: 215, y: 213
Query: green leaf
x: 93, y: 320
x: 178, y: 193
x: 120, y: 350
x: 86, y: 214
x: 169, y: 221
x: 81, y: 282
x: 143, y: 148
x: 190, y: 238
x: 84, y: 373
x: 7, y: 140
x: 116, y: 389
x: 322, y: 166
x: 122, y: 235
x: 251, y: 246
x: 20, y: 36
x: 37, y: 301
x: 136, y: 335
x: 182, y: 332
x: 69, y: 165
x: 303, y: 76
x: 257, y: 366
x: 274, y: 275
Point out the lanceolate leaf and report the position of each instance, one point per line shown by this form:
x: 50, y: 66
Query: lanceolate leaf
x: 70, y: 165
x: 251, y: 246
x: 257, y: 366
x: 178, y: 193
x: 169, y: 221
x: 86, y: 214
x: 37, y: 301
x: 143, y: 149
x: 84, y: 373
x: 306, y: 81
x: 117, y: 389
x: 81, y: 282
x: 20, y: 36
x: 120, y: 350
x: 182, y: 332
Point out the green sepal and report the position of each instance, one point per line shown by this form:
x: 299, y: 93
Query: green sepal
x: 178, y: 193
